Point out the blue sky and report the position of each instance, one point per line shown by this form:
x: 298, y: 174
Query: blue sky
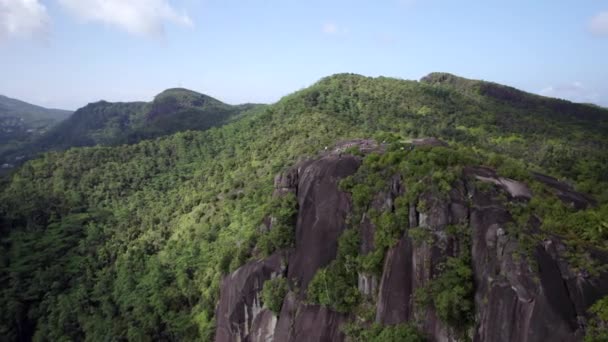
x: 66, y: 53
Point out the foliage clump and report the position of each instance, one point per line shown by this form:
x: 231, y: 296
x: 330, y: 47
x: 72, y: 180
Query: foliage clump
x: 420, y: 168
x: 389, y: 228
x: 335, y: 286
x: 274, y: 292
x: 384, y: 333
x: 451, y: 292
x: 420, y: 235
x: 283, y: 212
x: 597, y: 329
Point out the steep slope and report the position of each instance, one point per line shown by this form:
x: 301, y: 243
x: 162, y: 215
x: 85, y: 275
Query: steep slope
x: 105, y: 123
x: 21, y: 122
x: 135, y: 241
x: 468, y: 254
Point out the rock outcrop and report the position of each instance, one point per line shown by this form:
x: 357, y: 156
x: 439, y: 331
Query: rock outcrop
x: 518, y: 297
x: 323, y: 209
x: 240, y: 309
x: 513, y: 301
x: 321, y: 215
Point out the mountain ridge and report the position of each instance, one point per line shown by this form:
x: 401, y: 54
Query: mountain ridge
x: 113, y: 123
x: 511, y: 94
x: 8, y: 104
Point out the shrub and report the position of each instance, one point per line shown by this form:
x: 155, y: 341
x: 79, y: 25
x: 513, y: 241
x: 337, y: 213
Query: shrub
x: 388, y: 230
x: 420, y: 235
x: 597, y: 330
x: 354, y: 150
x: 362, y: 195
x: 378, y: 333
x: 283, y: 210
x: 273, y: 293
x: 451, y: 292
x: 335, y: 286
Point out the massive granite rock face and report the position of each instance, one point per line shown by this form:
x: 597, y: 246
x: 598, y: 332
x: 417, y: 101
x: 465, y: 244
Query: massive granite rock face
x: 396, y: 288
x: 537, y: 297
x: 321, y: 220
x: 514, y: 302
x: 321, y: 215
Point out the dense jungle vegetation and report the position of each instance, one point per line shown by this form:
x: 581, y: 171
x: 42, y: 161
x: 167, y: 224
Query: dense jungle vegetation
x: 133, y: 240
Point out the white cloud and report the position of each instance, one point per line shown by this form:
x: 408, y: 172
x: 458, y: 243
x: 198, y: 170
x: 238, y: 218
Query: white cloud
x: 599, y: 24
x: 330, y: 28
x: 333, y: 29
x: 139, y: 17
x: 22, y: 18
x: 575, y: 92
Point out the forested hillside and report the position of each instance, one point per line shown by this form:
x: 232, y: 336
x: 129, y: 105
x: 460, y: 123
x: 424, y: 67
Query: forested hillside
x: 106, y: 123
x: 133, y: 240
x: 21, y: 122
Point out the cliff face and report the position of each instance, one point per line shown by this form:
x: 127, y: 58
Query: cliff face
x: 533, y: 297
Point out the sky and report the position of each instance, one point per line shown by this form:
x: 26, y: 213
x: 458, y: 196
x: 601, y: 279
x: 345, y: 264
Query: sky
x: 67, y: 53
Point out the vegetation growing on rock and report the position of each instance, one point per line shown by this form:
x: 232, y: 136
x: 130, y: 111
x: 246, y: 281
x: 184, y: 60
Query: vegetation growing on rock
x: 451, y: 292
x: 379, y: 333
x: 282, y: 232
x: 335, y: 286
x: 274, y: 292
x: 598, y: 326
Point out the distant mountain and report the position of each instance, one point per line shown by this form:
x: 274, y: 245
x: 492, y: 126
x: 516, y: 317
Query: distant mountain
x: 28, y: 112
x: 21, y: 122
x: 106, y: 123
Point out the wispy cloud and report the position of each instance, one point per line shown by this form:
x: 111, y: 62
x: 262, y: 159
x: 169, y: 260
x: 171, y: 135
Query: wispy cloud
x: 138, y: 17
x: 332, y: 28
x: 599, y: 24
x: 574, y: 91
x: 22, y: 18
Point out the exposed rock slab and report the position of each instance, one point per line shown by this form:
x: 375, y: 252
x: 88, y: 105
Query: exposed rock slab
x: 240, y: 302
x: 263, y: 327
x: 321, y: 216
x: 396, y: 287
x: 514, y: 188
x: 312, y: 323
x: 565, y: 192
